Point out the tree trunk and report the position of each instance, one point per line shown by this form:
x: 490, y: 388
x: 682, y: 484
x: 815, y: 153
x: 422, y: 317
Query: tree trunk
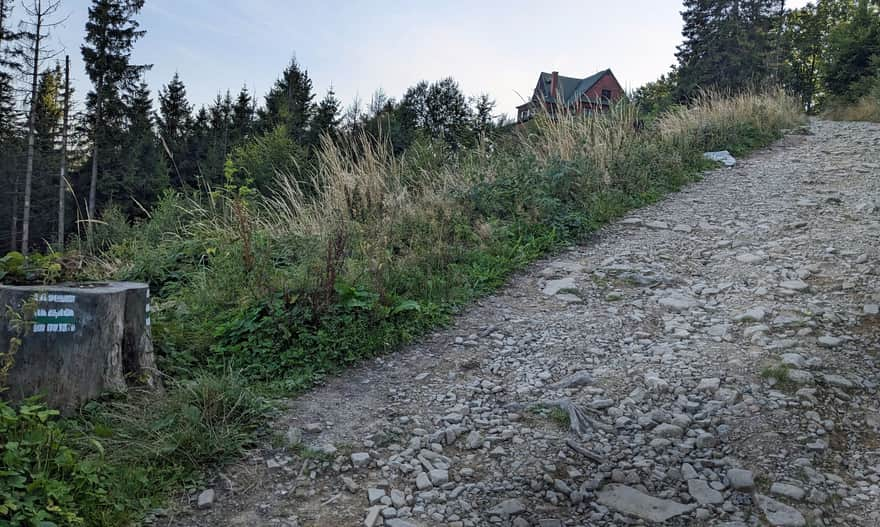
x: 93, y: 184
x: 62, y: 180
x: 32, y: 119
x: 13, y: 233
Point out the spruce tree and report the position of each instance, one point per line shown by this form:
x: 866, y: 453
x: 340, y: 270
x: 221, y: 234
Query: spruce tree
x: 144, y: 173
x: 174, y: 123
x: 242, y: 117
x: 111, y: 33
x: 290, y: 103
x: 326, y: 120
x: 10, y: 138
x: 728, y: 44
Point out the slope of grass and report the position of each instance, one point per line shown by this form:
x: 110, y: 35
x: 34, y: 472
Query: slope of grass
x: 293, y: 286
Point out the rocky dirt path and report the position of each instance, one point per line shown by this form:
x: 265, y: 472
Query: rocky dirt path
x: 719, y: 351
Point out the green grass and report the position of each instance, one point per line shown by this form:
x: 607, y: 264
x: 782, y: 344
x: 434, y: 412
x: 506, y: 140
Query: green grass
x: 121, y: 457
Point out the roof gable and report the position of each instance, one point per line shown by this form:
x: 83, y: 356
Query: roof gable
x: 569, y: 89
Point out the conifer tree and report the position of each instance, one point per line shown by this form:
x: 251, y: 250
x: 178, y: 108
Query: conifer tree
x: 111, y: 33
x: 242, y: 116
x: 326, y: 120
x: 728, y: 44
x: 174, y: 123
x: 144, y: 173
x: 290, y: 103
x: 10, y: 142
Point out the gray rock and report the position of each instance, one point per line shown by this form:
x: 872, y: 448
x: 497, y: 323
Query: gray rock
x: 755, y: 314
x: 871, y: 309
x: 678, y: 303
x: 205, y: 499
x: 473, y: 440
x: 788, y: 491
x: 293, y: 436
x: 423, y: 482
x: 799, y: 376
x: 709, y: 385
x: 508, y: 508
x: 779, y: 514
x: 360, y: 459
x: 722, y: 156
x: 657, y: 225
x: 828, y: 341
x: 704, y: 494
x: 794, y: 360
x: 396, y: 522
x: 576, y: 380
x: 635, y: 503
x: 375, y: 495
x: 749, y: 258
x: 373, y: 515
x: 668, y: 431
x: 398, y: 498
x: 837, y: 380
x: 438, y: 477
x: 553, y: 287
x: 741, y: 479
x: 794, y: 285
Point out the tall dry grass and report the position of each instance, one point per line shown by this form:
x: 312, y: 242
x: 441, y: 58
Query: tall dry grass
x: 865, y: 109
x: 714, y: 117
x: 356, y: 182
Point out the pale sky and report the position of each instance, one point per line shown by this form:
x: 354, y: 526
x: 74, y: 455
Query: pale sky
x: 492, y: 46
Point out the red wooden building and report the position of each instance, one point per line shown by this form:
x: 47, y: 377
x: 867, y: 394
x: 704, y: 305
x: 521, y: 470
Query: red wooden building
x: 594, y: 93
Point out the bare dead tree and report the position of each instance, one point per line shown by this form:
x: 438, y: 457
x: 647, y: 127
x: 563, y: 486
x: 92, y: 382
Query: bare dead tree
x: 35, y: 32
x: 62, y: 179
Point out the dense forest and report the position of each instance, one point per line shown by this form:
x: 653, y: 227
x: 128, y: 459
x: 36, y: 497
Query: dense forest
x: 121, y: 147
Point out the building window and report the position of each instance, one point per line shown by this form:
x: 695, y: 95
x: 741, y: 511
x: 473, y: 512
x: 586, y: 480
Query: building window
x: 606, y: 94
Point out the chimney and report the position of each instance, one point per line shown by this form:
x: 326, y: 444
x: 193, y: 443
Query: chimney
x: 554, y: 83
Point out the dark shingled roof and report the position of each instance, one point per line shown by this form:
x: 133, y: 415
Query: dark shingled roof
x: 569, y: 88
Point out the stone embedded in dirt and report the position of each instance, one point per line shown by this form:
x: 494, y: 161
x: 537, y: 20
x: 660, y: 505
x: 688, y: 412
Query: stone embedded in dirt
x: 423, y: 482
x: 754, y: 314
x: 794, y: 285
x: 293, y: 436
x: 373, y: 515
x: 576, y: 380
x: 360, y: 459
x: 799, y: 376
x: 205, y: 499
x: 375, y: 495
x: 396, y: 522
x: 350, y: 485
x: 827, y: 341
x: 741, y: 479
x: 668, y: 431
x: 794, y: 360
x: 398, y: 498
x: 750, y: 258
x: 709, y: 385
x: 553, y: 287
x: 635, y: 503
x: 313, y: 428
x: 473, y: 441
x: 678, y: 303
x: 508, y: 508
x: 787, y: 490
x: 438, y: 477
x: 779, y: 514
x: 704, y: 494
x: 871, y: 309
x: 838, y: 380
